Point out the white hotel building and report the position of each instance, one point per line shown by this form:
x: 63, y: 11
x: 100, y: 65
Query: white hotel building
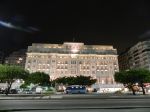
x: 72, y: 59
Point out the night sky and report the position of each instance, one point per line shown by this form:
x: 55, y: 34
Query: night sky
x: 120, y: 23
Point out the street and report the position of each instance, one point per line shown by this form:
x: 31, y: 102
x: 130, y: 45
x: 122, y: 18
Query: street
x: 77, y: 105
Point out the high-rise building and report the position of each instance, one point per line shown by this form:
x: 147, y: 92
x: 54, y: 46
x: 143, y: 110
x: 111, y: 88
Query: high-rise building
x: 17, y: 58
x: 72, y: 59
x: 138, y: 56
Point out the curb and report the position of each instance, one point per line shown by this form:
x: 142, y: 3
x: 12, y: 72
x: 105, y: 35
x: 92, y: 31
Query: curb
x: 72, y: 97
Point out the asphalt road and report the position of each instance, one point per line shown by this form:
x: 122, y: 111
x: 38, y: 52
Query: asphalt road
x: 77, y: 105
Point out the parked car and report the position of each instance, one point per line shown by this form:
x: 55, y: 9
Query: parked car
x: 27, y: 91
x: 13, y: 91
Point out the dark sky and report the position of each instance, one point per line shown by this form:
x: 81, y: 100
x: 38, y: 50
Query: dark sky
x: 120, y: 23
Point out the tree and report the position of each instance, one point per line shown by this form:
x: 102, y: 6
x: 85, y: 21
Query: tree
x: 78, y: 80
x: 9, y: 74
x: 131, y: 77
x: 123, y: 77
x: 85, y: 80
x: 24, y: 86
x: 39, y: 78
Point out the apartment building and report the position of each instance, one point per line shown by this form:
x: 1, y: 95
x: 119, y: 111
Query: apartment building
x: 138, y: 56
x: 17, y: 58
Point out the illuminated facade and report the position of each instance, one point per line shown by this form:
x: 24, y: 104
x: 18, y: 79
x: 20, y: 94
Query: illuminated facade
x: 72, y: 59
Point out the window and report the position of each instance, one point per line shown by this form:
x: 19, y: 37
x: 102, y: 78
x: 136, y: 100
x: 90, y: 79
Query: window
x: 73, y: 62
x: 53, y: 61
x: 29, y: 61
x: 93, y: 72
x: 73, y: 72
x: 80, y: 62
x: 48, y: 61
